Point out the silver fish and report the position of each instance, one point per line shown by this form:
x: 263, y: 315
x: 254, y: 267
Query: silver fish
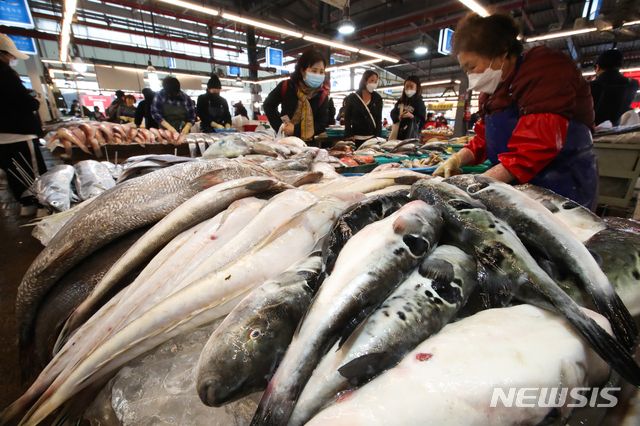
x: 92, y: 178
x: 53, y: 188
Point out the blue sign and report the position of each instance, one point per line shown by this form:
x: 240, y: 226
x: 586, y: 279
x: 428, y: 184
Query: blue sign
x: 274, y: 57
x: 24, y: 44
x: 15, y: 13
x: 234, y: 71
x: 332, y: 61
x: 172, y: 61
x: 444, y: 44
x: 388, y: 91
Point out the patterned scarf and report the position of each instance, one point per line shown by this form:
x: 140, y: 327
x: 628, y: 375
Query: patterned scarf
x: 304, y: 114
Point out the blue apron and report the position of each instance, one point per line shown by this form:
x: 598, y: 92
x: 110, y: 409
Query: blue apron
x: 572, y: 174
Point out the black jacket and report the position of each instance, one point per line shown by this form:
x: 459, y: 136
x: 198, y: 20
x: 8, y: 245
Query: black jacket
x: 612, y: 96
x: 419, y: 111
x: 289, y: 105
x: 144, y: 111
x: 222, y: 117
x: 112, y: 111
x: 17, y: 107
x: 357, y: 120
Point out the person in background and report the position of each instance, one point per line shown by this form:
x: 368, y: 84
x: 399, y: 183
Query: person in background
x: 213, y: 109
x: 536, y: 111
x: 441, y: 121
x: 172, y: 108
x: 143, y: 111
x: 410, y: 111
x: 20, y: 128
x: 112, y: 110
x: 430, y: 121
x: 75, y: 109
x: 472, y: 120
x: 98, y: 115
x: 303, y: 99
x: 127, y: 112
x: 239, y: 109
x: 332, y: 111
x: 341, y: 112
x: 612, y: 92
x: 363, y: 110
x: 385, y: 123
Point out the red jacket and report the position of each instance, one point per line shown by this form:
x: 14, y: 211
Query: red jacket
x: 549, y: 90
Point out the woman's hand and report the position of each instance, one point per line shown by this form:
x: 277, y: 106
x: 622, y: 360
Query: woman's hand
x: 288, y: 129
x: 406, y: 115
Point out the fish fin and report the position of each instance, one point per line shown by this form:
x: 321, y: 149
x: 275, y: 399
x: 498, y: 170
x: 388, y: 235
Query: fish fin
x: 361, y: 370
x: 495, y: 288
x: 209, y: 179
x: 622, y: 323
x: 260, y: 185
x: 437, y: 269
x: 65, y: 334
x: 405, y: 180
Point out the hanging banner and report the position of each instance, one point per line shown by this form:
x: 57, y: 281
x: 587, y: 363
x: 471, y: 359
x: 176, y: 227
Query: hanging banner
x: 274, y: 57
x: 15, y: 13
x: 24, y: 44
x: 444, y: 43
x: 440, y: 107
x: 119, y: 79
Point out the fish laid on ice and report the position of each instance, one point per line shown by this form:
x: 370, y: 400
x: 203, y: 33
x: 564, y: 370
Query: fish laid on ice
x: 92, y: 179
x: 200, y: 302
x: 450, y: 378
x: 506, y: 268
x: 53, y: 188
x: 229, y: 147
x: 417, y: 309
x: 547, y: 236
x: 204, y: 205
x: 373, y: 182
x: 117, y: 211
x: 300, y: 178
x: 580, y: 220
x: 245, y: 350
x: 371, y: 265
x: 389, y: 190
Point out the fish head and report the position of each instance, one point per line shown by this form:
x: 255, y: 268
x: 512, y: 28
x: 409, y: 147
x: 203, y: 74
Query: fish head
x: 443, y: 194
x: 243, y: 353
x: 419, y: 225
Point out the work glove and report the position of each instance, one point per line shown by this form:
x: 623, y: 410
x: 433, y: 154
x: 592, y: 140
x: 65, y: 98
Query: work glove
x: 216, y: 125
x: 452, y: 164
x: 186, y: 128
x: 168, y: 126
x: 227, y: 126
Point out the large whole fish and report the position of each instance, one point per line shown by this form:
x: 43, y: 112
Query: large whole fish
x: 200, y: 302
x: 201, y: 206
x: 450, y: 378
x: 53, y: 188
x: 117, y: 211
x: 371, y: 265
x: 543, y: 233
x: 417, y: 309
x: 507, y: 269
x: 243, y: 353
x: 92, y: 179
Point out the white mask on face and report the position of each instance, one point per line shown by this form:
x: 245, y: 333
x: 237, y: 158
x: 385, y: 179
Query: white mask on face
x: 409, y: 93
x: 488, y: 81
x: 12, y: 61
x: 372, y: 86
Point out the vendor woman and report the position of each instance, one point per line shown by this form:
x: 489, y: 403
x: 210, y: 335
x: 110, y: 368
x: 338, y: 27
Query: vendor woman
x: 213, y: 109
x: 172, y: 108
x: 303, y: 98
x: 363, y: 110
x: 536, y: 111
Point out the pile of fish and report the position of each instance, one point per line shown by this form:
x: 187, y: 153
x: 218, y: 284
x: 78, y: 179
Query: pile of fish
x: 378, y: 147
x: 442, y: 130
x: 433, y: 160
x: 337, y: 303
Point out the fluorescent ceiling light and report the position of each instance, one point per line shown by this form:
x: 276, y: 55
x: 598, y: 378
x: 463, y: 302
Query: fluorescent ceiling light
x: 435, y: 83
x: 377, y: 55
x: 352, y: 64
x: 191, y: 6
x: 344, y: 92
x: 331, y: 43
x: 628, y: 24
x: 560, y: 34
x: 261, y: 25
x: 269, y: 80
x: 475, y: 7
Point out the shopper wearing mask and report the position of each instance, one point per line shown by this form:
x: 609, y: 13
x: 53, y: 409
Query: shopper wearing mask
x: 144, y: 110
x: 363, y: 110
x: 213, y: 109
x: 20, y: 127
x: 303, y: 99
x: 536, y: 111
x: 409, y: 113
x: 172, y: 108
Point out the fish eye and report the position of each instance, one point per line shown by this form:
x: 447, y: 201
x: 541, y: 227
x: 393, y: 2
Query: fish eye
x: 254, y: 334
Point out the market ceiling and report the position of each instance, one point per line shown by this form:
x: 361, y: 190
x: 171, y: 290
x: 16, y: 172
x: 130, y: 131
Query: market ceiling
x: 391, y: 28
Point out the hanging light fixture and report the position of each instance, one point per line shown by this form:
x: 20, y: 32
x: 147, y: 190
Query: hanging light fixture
x: 152, y: 75
x: 346, y: 25
x: 78, y: 65
x: 421, y: 48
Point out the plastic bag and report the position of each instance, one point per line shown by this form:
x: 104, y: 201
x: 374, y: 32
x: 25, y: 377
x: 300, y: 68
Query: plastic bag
x: 280, y: 135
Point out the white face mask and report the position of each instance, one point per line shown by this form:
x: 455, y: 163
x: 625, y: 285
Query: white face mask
x: 409, y: 93
x: 12, y: 61
x: 488, y: 81
x: 372, y: 86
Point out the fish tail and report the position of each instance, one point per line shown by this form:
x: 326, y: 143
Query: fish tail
x: 622, y: 323
x: 17, y: 408
x: 67, y: 147
x: 274, y: 409
x: 65, y: 333
x: 96, y: 148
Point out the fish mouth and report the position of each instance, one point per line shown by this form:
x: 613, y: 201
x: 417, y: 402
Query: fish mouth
x: 214, y: 394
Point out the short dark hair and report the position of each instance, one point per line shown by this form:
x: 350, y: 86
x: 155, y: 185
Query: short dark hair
x: 306, y: 60
x: 214, y: 83
x: 610, y: 59
x: 414, y: 79
x: 365, y: 77
x: 171, y: 85
x: 119, y: 94
x: 133, y: 98
x: 490, y: 36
